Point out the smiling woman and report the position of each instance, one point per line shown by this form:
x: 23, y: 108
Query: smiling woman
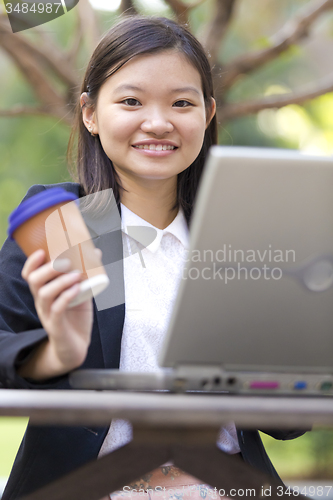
x: 144, y: 124
x: 160, y: 93
x: 151, y: 119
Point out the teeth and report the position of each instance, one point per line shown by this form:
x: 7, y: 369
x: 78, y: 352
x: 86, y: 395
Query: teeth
x: 156, y: 147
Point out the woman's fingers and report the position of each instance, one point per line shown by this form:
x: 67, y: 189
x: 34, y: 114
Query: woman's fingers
x: 38, y: 275
x: 60, y: 305
x: 48, y: 293
x: 47, y: 284
x: 35, y: 260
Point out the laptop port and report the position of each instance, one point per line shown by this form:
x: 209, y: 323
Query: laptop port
x: 326, y: 386
x: 179, y: 385
x: 231, y: 381
x: 264, y: 384
x: 217, y: 380
x: 205, y: 383
x: 300, y: 384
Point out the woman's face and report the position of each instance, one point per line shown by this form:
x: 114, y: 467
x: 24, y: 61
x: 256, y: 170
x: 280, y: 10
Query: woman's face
x: 150, y: 117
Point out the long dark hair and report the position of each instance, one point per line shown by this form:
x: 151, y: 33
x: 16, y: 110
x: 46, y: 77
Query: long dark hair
x: 132, y: 36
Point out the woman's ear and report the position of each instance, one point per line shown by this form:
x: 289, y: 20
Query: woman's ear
x: 88, y: 114
x: 211, y: 112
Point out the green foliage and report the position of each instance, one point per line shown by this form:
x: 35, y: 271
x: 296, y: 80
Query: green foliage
x: 11, y: 433
x: 307, y: 457
x: 32, y: 148
x: 32, y: 151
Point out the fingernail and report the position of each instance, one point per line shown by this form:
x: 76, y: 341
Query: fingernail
x: 61, y: 265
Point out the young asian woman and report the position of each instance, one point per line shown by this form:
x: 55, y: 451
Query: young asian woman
x: 145, y: 121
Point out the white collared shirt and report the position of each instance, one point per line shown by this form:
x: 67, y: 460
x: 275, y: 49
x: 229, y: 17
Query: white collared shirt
x: 153, y: 264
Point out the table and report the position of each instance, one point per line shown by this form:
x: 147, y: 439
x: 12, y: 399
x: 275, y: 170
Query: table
x: 178, y: 427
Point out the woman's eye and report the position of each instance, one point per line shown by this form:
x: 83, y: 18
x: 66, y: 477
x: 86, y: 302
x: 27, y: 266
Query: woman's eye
x: 182, y: 104
x: 131, y: 102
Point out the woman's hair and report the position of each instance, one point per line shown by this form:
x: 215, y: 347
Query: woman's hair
x: 133, y: 36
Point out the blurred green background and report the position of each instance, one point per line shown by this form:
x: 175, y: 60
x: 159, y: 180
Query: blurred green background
x: 11, y: 432
x: 33, y: 150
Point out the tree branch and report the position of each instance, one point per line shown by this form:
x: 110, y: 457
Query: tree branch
x: 217, y: 28
x: 291, y: 33
x: 127, y: 7
x: 46, y: 52
x: 237, y: 110
x: 88, y: 22
x: 182, y: 10
x: 25, y: 58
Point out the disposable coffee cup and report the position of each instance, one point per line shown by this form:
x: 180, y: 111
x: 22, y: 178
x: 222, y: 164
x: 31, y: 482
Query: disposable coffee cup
x: 51, y: 220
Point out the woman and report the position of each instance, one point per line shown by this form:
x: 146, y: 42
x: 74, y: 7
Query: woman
x: 145, y: 122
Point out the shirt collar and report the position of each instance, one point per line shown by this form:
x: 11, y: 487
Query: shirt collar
x: 131, y: 224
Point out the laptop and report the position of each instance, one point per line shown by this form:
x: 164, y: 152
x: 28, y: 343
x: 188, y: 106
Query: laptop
x: 254, y: 310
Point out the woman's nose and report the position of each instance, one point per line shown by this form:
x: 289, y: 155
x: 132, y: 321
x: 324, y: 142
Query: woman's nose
x: 156, y: 123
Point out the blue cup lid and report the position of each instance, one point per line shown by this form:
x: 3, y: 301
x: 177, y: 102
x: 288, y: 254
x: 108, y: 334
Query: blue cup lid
x: 36, y: 204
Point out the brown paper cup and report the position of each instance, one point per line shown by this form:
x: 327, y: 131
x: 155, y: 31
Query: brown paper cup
x: 62, y: 233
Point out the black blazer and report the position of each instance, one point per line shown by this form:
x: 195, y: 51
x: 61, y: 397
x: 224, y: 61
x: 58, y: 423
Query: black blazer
x: 46, y: 453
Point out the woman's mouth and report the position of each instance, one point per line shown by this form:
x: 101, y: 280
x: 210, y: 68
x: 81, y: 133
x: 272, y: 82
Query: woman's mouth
x: 155, y: 149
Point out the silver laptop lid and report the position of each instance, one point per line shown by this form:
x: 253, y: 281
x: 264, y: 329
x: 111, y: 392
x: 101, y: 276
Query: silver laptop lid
x: 257, y: 291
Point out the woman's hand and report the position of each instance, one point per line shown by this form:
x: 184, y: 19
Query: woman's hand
x: 68, y: 329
